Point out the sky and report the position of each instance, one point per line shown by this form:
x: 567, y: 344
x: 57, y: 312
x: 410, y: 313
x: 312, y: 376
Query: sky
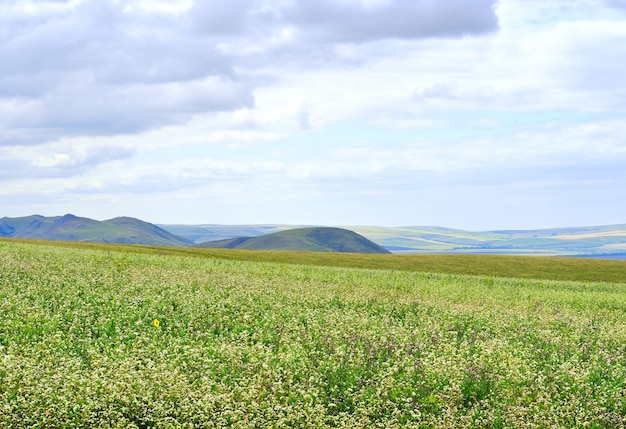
x: 471, y: 114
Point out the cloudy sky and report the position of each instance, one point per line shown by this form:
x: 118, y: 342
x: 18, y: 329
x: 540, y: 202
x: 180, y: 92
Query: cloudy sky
x: 474, y: 114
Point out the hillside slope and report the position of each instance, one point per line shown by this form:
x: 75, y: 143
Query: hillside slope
x: 592, y: 241
x: 73, y: 228
x: 318, y: 239
x: 599, y: 241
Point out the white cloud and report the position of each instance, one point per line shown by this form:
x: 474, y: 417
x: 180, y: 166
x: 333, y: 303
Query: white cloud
x: 223, y: 18
x: 96, y: 68
x: 99, y: 67
x: 347, y: 103
x: 618, y: 4
x: 352, y: 21
x: 437, y: 90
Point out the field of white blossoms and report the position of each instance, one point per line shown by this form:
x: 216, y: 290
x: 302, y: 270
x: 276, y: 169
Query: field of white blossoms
x: 91, y: 338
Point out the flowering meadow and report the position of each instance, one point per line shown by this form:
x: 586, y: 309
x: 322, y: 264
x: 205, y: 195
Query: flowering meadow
x: 92, y: 338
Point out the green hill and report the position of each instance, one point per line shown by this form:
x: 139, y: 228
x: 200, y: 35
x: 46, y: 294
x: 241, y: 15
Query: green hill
x: 124, y: 230
x: 598, y: 241
x: 319, y: 239
x: 591, y: 241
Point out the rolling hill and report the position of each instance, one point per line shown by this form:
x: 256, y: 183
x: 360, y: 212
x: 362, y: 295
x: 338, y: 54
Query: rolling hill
x: 317, y: 239
x: 590, y: 241
x: 123, y: 230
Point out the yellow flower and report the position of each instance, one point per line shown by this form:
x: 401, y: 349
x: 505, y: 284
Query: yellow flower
x: 156, y: 323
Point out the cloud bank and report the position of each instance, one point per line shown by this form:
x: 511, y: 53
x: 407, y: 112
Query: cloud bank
x: 302, y: 111
x: 346, y: 21
x: 100, y: 67
x: 96, y: 68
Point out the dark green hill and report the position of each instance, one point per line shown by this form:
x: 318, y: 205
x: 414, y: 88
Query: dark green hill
x: 228, y: 243
x: 320, y: 239
x: 73, y: 228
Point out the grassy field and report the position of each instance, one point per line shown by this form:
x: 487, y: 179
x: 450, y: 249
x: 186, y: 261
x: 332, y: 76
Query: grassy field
x: 151, y: 337
x: 529, y: 267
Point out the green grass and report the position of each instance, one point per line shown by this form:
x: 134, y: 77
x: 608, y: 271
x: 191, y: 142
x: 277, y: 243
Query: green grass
x: 529, y: 267
x: 244, y: 343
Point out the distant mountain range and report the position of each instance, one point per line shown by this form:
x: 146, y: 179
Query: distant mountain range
x: 126, y: 230
x: 122, y: 230
x: 592, y: 241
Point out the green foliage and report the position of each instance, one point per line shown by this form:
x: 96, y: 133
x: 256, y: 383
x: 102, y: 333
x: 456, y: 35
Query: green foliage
x: 269, y: 344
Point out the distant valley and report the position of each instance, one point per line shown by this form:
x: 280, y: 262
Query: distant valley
x: 591, y: 241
